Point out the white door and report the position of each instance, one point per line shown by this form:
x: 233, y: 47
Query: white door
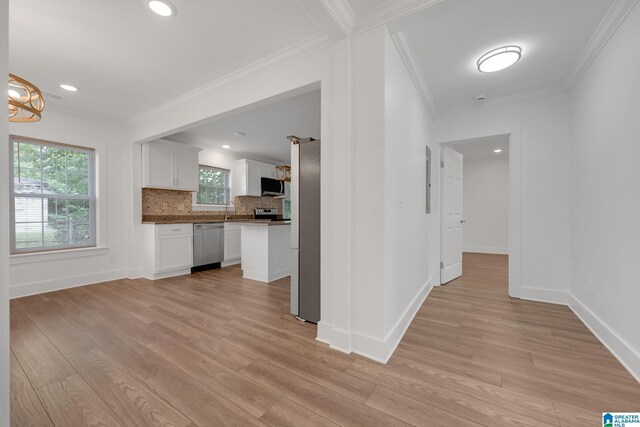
x: 451, y: 246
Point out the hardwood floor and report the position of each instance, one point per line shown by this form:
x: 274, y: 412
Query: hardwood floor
x: 214, y: 349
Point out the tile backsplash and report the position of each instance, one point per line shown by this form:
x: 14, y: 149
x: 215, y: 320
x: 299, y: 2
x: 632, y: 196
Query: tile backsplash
x: 171, y: 202
x: 166, y: 202
x: 245, y: 205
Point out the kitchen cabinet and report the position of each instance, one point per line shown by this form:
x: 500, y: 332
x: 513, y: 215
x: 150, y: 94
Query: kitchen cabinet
x: 168, y: 250
x: 231, y: 243
x: 170, y: 166
x: 247, y: 174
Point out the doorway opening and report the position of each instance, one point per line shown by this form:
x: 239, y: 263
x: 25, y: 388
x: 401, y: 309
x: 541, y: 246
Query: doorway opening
x: 263, y: 183
x: 475, y: 211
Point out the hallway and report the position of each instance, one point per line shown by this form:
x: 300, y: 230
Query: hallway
x: 213, y: 349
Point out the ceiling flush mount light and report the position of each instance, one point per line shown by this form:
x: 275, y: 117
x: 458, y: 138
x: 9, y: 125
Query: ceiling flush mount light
x: 25, y: 100
x: 69, y: 88
x: 226, y: 147
x: 499, y: 59
x: 163, y: 8
x: 499, y: 150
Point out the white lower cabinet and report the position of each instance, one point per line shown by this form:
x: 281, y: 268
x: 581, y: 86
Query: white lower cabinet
x: 168, y: 250
x: 231, y: 243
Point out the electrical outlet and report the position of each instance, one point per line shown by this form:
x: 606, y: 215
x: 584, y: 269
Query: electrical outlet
x: 181, y: 207
x: 113, y: 258
x: 165, y: 206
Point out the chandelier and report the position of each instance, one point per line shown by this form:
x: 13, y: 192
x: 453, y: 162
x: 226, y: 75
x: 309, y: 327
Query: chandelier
x: 25, y: 100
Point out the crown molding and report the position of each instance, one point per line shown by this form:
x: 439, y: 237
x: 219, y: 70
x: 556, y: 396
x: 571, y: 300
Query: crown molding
x: 407, y: 52
x: 388, y: 11
x: 282, y: 57
x: 333, y: 17
x: 517, y: 98
x: 616, y: 15
x: 342, y: 14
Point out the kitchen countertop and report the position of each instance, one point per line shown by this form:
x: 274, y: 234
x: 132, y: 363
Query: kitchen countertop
x: 200, y: 219
x: 263, y: 222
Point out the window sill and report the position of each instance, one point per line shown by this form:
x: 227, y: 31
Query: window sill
x: 57, y: 255
x: 217, y: 208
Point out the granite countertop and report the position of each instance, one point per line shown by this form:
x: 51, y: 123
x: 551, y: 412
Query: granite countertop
x: 264, y: 222
x: 200, y: 219
x: 192, y: 219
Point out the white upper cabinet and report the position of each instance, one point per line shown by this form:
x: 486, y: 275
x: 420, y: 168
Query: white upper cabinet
x: 187, y: 169
x: 247, y: 174
x: 268, y: 171
x: 170, y: 166
x: 158, y: 165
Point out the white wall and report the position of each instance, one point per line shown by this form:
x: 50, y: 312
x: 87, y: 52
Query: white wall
x: 36, y: 273
x: 540, y: 146
x: 368, y: 182
x: 4, y: 229
x: 485, y: 187
x: 408, y: 261
x: 605, y: 197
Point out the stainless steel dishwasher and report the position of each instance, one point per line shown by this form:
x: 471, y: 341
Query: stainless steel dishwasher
x: 208, y: 244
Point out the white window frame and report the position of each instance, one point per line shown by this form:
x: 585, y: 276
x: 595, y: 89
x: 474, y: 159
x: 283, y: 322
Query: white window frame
x: 196, y: 206
x: 91, y: 197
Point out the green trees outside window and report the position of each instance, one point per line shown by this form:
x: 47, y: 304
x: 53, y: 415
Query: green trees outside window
x: 215, y: 186
x: 53, y: 196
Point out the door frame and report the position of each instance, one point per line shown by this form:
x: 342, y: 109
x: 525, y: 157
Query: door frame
x: 515, y: 209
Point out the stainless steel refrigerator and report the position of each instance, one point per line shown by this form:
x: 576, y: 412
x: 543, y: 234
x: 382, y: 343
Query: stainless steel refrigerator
x: 305, y: 229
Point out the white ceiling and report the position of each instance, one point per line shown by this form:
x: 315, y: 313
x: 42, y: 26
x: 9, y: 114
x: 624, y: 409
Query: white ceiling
x: 266, y: 128
x: 118, y: 52
x: 552, y: 34
x: 130, y: 60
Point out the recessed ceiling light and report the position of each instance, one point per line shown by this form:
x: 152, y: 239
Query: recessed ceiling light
x: 499, y: 59
x: 240, y: 133
x: 499, y: 150
x: 226, y: 147
x: 69, y: 88
x: 163, y: 8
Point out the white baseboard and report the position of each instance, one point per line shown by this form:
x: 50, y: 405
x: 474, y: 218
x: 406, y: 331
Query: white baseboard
x: 337, y: 339
x: 265, y: 277
x: 279, y: 274
x: 543, y: 295
x: 229, y: 263
x: 623, y: 351
x: 381, y: 350
x: 135, y: 274
x: 27, y: 289
x: 168, y: 274
x: 486, y: 250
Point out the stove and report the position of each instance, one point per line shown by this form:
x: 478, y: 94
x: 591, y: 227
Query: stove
x: 264, y: 213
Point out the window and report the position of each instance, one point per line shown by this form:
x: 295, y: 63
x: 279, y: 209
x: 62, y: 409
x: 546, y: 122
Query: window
x: 52, y: 196
x: 215, y: 186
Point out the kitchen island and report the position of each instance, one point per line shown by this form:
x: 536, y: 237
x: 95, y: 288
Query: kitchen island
x: 266, y: 250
